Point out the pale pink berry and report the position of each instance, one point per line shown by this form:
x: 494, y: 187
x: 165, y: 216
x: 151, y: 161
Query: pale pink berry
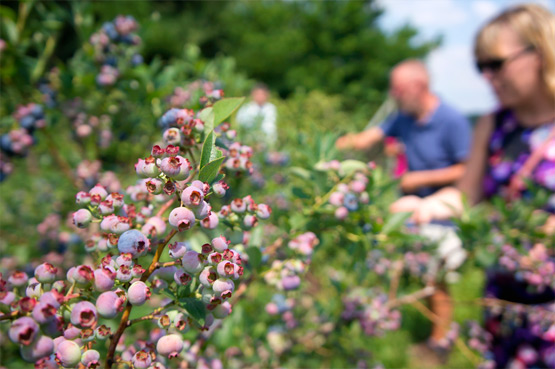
x: 141, y: 360
x: 250, y: 221
x: 104, y: 278
x: 220, y: 188
x: 208, y: 276
x: 223, y: 285
x: 210, y: 222
x: 192, y: 196
x: 182, y: 278
x: 341, y: 213
x: 46, y: 273
x: 82, y: 218
x: 109, y: 304
x: 170, y: 346
x: 220, y: 243
x: 90, y: 359
x: 83, y: 314
x: 336, y: 198
x: 191, y: 262
x: 98, y: 190
x: 182, y: 218
x: 68, y: 353
x: 42, y: 347
x: 83, y: 198
x: 222, y: 310
x: 177, y: 250
x: 138, y: 293
x: 176, y: 167
x: 263, y: 211
x: 155, y: 186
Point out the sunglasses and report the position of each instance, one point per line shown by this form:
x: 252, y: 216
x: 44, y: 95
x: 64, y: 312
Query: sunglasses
x: 495, y: 65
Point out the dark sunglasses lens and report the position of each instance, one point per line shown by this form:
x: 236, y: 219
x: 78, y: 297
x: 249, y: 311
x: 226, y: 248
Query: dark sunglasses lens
x: 491, y: 65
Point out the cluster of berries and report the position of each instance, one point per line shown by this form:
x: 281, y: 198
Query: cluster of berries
x: 198, y: 92
x: 111, y: 42
x: 536, y: 267
x: 84, y: 126
x: 18, y: 141
x: 284, y: 307
x: 372, y: 312
x: 277, y: 158
x: 349, y: 196
x: 285, y: 275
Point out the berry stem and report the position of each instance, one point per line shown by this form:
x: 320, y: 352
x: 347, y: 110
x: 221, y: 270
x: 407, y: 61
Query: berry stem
x: 125, y: 317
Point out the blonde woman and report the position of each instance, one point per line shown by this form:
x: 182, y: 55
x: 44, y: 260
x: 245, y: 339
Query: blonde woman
x: 515, y: 52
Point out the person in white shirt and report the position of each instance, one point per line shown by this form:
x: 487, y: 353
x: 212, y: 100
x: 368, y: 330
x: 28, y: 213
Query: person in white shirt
x: 259, y: 114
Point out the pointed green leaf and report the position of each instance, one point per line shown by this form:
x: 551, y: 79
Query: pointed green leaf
x: 207, y: 148
x: 395, y: 222
x: 210, y: 170
x: 195, y: 308
x: 225, y: 107
x: 207, y: 116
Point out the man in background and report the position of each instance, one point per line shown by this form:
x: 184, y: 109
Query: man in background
x: 436, y: 136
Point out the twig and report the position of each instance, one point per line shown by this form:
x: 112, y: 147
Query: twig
x: 11, y: 315
x: 165, y: 207
x: 397, y: 271
x: 409, y: 299
x: 125, y: 317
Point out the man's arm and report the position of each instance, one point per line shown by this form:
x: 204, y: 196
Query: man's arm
x: 360, y: 141
x: 412, y: 181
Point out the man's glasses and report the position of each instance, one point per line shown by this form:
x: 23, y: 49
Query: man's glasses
x: 495, y: 65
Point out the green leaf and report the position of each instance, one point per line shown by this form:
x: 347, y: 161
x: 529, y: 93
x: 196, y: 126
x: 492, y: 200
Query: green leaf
x: 195, y: 308
x: 300, y: 172
x: 225, y: 107
x: 350, y: 166
x: 207, y: 148
x: 299, y: 192
x: 207, y: 116
x: 210, y: 170
x: 255, y: 257
x: 395, y: 222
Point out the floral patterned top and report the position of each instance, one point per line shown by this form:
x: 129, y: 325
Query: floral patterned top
x: 510, y: 146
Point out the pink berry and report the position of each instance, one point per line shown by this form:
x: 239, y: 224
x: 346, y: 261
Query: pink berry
x: 220, y: 243
x: 68, y: 354
x: 138, y: 293
x: 109, y: 304
x: 191, y: 262
x: 170, y: 346
x: 192, y: 196
x: 40, y: 348
x: 90, y: 359
x: 83, y: 314
x: 141, y: 360
x: 182, y: 218
x: 46, y: 273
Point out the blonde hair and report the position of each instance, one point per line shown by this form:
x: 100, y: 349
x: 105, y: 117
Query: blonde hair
x: 535, y: 26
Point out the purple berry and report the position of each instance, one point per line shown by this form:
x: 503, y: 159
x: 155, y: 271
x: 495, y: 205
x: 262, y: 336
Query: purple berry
x: 41, y: 347
x: 191, y: 262
x: 133, y: 242
x: 44, y: 312
x: 182, y: 278
x: 23, y: 331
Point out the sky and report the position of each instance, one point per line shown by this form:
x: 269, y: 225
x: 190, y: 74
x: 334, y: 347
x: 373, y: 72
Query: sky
x: 451, y: 66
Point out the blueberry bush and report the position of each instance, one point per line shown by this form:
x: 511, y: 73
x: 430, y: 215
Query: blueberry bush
x: 143, y: 228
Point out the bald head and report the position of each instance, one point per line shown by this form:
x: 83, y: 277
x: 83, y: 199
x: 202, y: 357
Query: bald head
x: 411, y: 71
x: 409, y: 86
